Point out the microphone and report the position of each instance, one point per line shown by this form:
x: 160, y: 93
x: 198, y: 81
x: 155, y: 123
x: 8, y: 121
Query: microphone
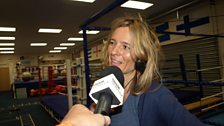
x: 107, y: 92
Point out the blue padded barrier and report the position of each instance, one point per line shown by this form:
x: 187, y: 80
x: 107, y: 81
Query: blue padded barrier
x: 57, y: 103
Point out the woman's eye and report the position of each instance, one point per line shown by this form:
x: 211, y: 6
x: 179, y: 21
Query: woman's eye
x: 111, y: 42
x: 126, y: 47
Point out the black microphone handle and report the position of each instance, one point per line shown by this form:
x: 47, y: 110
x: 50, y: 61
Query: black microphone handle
x: 104, y: 103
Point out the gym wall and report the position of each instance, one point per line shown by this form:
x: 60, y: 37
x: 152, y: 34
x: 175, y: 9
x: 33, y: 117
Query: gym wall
x: 208, y: 47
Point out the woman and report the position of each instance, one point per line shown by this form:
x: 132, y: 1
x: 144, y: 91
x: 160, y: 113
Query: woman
x: 147, y: 102
x: 134, y: 48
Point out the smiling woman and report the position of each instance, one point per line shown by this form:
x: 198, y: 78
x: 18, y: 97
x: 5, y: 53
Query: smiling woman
x: 131, y: 42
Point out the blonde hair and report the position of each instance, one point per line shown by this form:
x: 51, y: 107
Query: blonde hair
x: 146, y: 48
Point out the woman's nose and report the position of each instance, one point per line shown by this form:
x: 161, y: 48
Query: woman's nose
x: 116, y: 50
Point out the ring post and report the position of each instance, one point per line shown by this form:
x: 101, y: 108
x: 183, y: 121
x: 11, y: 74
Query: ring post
x: 69, y: 83
x: 199, y: 74
x: 183, y: 68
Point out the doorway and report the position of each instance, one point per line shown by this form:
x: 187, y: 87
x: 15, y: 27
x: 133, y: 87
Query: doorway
x: 4, y: 79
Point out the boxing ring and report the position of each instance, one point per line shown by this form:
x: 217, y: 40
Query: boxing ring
x: 33, y: 84
x: 209, y: 109
x: 196, y: 100
x: 58, y: 105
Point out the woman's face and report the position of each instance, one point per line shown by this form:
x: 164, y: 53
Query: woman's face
x: 119, y: 50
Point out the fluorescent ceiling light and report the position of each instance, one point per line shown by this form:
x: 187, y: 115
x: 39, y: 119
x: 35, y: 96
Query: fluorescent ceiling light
x: 54, y: 51
x: 67, y: 44
x: 90, y: 32
x: 136, y: 4
x: 47, y: 30
x: 88, y: 1
x: 8, y: 29
x: 60, y: 48
x: 38, y: 44
x: 7, y: 49
x: 7, y: 44
x: 7, y: 38
x: 6, y: 52
x: 75, y: 39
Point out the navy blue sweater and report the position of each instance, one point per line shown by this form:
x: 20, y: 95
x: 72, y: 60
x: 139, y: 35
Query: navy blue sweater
x: 159, y: 107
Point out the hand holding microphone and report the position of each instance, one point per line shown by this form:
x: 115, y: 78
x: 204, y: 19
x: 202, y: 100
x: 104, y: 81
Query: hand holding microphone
x: 107, y: 92
x: 79, y: 115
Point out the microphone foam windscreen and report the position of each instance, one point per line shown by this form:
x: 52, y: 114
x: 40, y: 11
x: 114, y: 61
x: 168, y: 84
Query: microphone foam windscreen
x: 113, y: 70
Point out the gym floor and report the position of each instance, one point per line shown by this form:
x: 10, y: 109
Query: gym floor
x: 19, y: 112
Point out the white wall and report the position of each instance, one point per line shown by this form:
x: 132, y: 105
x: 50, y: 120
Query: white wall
x: 5, y: 59
x: 199, y: 10
x: 195, y: 11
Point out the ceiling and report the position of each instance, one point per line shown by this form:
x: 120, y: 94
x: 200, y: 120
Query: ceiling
x: 30, y: 15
